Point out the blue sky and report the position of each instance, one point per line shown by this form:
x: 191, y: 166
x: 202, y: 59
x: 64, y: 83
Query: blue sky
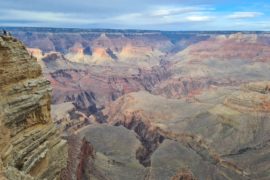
x: 138, y: 14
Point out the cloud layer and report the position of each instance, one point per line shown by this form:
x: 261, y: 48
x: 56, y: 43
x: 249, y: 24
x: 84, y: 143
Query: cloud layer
x: 243, y: 15
x: 140, y: 14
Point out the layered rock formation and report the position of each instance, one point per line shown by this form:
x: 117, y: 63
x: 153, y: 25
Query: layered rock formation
x: 30, y: 145
x: 152, y: 61
x: 141, y: 48
x: 235, y: 46
x: 105, y: 152
x: 207, y: 130
x: 187, y: 105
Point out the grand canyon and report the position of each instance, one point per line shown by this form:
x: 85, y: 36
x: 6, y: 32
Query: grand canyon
x: 134, y: 104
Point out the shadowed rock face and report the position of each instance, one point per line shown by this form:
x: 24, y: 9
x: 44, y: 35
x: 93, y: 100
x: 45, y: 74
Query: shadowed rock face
x: 30, y: 145
x: 175, y: 105
x: 105, y: 152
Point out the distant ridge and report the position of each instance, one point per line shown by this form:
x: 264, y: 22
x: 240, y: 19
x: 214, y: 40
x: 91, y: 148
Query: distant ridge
x: 99, y: 30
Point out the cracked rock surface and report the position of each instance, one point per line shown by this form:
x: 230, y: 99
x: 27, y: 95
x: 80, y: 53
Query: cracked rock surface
x: 30, y: 145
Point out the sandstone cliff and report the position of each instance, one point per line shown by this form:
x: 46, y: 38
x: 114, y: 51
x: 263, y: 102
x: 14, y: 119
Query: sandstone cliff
x: 30, y: 146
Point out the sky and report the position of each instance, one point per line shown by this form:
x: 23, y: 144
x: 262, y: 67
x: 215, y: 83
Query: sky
x: 175, y: 15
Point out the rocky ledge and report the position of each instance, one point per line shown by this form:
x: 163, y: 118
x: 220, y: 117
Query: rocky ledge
x: 252, y: 97
x: 30, y: 145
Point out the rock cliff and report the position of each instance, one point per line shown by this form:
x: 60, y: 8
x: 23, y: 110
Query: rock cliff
x: 253, y: 97
x: 104, y: 152
x: 30, y: 145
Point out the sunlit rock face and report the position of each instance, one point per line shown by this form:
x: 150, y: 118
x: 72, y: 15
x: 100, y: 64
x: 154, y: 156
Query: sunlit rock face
x: 248, y: 47
x: 30, y: 145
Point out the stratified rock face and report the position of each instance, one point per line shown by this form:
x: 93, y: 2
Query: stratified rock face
x: 108, y: 47
x: 104, y: 152
x: 30, y: 145
x: 262, y: 87
x: 235, y: 46
x: 253, y: 97
x: 209, y: 135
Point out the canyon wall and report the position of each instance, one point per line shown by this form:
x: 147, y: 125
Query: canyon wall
x: 157, y: 105
x: 30, y: 145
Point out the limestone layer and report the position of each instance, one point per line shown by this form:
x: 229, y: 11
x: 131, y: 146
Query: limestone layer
x: 30, y: 145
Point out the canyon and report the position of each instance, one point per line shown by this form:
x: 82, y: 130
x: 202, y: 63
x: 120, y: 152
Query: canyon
x: 133, y: 104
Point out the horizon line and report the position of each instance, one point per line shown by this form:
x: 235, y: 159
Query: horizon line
x: 124, y: 29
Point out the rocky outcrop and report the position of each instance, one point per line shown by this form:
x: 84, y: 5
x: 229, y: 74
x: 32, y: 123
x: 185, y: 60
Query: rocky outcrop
x: 236, y: 46
x: 249, y: 101
x: 260, y: 87
x: 30, y: 145
x: 183, y: 174
x: 92, y: 87
x: 177, y: 133
x: 80, y: 159
x: 103, y: 152
x: 253, y: 97
x: 182, y: 87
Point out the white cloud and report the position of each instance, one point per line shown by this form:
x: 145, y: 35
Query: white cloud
x: 197, y: 18
x: 37, y: 16
x: 156, y: 16
x: 164, y: 15
x: 167, y: 11
x: 243, y: 15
